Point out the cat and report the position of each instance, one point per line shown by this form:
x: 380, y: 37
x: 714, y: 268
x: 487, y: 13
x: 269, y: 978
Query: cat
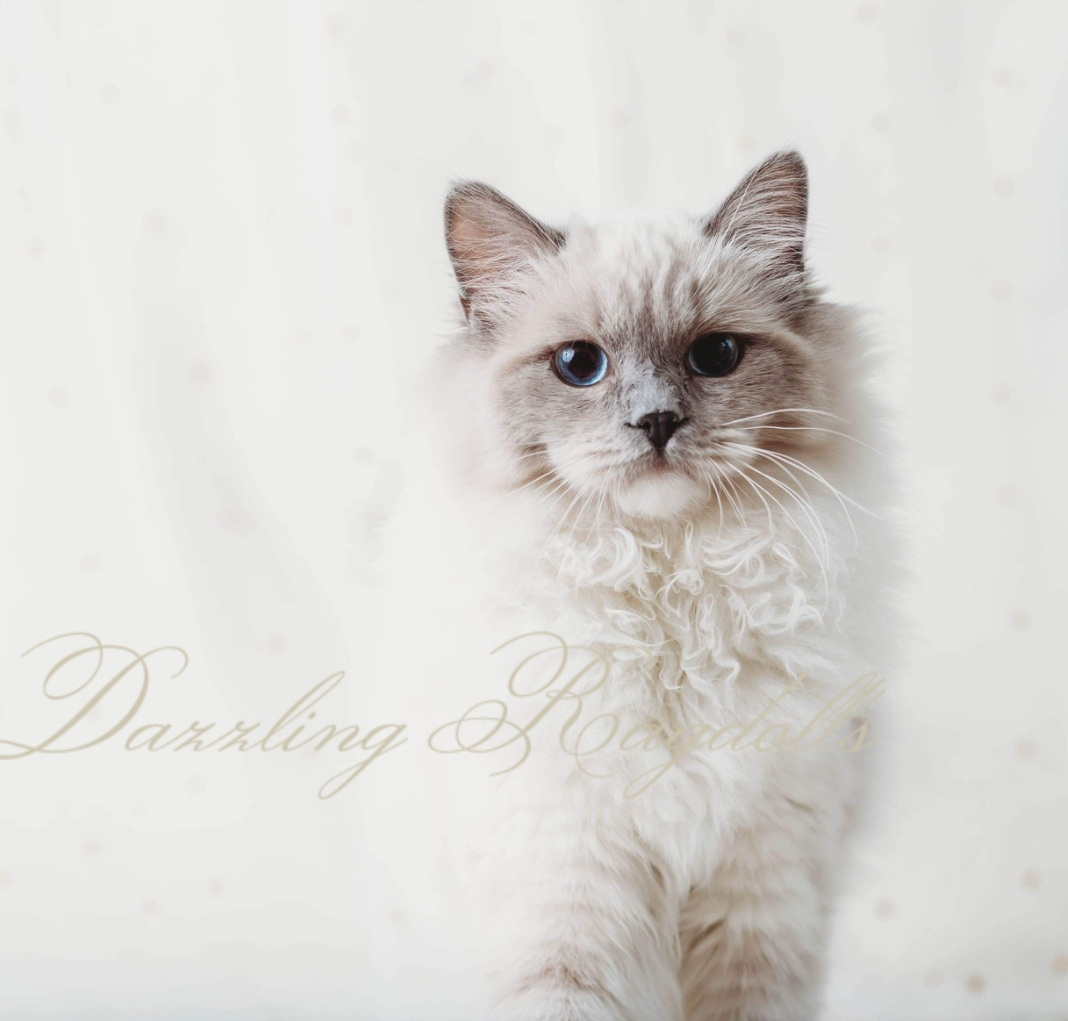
x: 654, y: 441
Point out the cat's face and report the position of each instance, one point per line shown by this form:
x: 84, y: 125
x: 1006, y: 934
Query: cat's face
x: 638, y: 366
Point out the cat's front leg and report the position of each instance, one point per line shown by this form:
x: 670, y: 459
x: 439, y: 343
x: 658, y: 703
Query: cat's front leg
x: 753, y: 938
x: 590, y: 933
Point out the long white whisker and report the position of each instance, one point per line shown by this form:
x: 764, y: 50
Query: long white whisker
x: 737, y: 506
x: 801, y: 486
x: 600, y: 505
x: 792, y: 520
x: 759, y: 493
x: 814, y: 429
x: 559, y: 494
x: 534, y: 481
x: 805, y: 503
x: 724, y: 479
x: 783, y: 411
x: 578, y: 515
x: 805, y: 506
x: 580, y: 495
x: 800, y: 465
x: 562, y: 492
x: 713, y: 488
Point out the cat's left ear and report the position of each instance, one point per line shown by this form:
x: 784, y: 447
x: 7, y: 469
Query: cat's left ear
x: 493, y: 245
x: 766, y: 214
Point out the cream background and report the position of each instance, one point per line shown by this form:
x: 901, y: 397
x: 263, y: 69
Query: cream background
x: 221, y: 255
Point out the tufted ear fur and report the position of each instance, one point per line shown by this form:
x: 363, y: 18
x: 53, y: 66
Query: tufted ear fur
x: 493, y: 244
x: 767, y: 215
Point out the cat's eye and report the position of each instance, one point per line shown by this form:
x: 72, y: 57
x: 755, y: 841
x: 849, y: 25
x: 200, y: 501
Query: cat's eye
x: 714, y: 354
x: 580, y: 363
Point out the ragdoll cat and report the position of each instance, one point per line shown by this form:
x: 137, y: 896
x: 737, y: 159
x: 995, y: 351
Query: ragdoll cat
x: 652, y: 442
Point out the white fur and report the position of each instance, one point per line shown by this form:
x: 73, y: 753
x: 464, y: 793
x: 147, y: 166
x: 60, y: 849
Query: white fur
x: 548, y: 892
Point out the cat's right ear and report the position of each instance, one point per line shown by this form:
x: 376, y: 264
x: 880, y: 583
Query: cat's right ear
x: 493, y: 245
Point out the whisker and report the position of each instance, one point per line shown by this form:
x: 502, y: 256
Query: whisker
x: 819, y: 478
x: 805, y: 503
x: 784, y: 411
x: 789, y: 517
x: 809, y: 514
x: 563, y: 517
x: 814, y: 429
x: 800, y: 485
x: 578, y: 515
x: 538, y: 478
x: 713, y: 488
x: 780, y: 458
x: 759, y: 493
x: 560, y: 493
x: 540, y: 452
x: 737, y: 506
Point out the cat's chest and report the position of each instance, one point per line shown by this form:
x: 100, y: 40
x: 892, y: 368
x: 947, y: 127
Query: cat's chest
x: 699, y: 612
x: 691, y: 607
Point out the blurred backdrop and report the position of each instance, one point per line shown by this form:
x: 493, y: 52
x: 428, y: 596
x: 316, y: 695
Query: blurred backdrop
x: 221, y: 262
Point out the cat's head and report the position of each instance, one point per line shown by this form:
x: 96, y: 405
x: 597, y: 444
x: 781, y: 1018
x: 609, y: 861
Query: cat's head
x: 637, y: 365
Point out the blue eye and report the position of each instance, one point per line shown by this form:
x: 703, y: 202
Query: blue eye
x: 580, y: 363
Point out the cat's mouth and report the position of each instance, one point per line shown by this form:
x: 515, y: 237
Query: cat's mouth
x: 658, y: 463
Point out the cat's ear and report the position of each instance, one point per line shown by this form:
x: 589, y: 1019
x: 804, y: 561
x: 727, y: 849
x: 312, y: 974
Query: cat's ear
x: 493, y: 245
x: 767, y: 213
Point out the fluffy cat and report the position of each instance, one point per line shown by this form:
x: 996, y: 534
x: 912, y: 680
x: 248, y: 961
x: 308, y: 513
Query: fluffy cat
x: 654, y: 440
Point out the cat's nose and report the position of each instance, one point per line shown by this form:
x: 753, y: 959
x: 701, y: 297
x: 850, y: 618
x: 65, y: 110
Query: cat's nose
x: 658, y: 426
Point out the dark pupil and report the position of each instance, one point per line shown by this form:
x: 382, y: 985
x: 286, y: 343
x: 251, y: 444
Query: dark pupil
x: 581, y: 360
x: 714, y: 355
